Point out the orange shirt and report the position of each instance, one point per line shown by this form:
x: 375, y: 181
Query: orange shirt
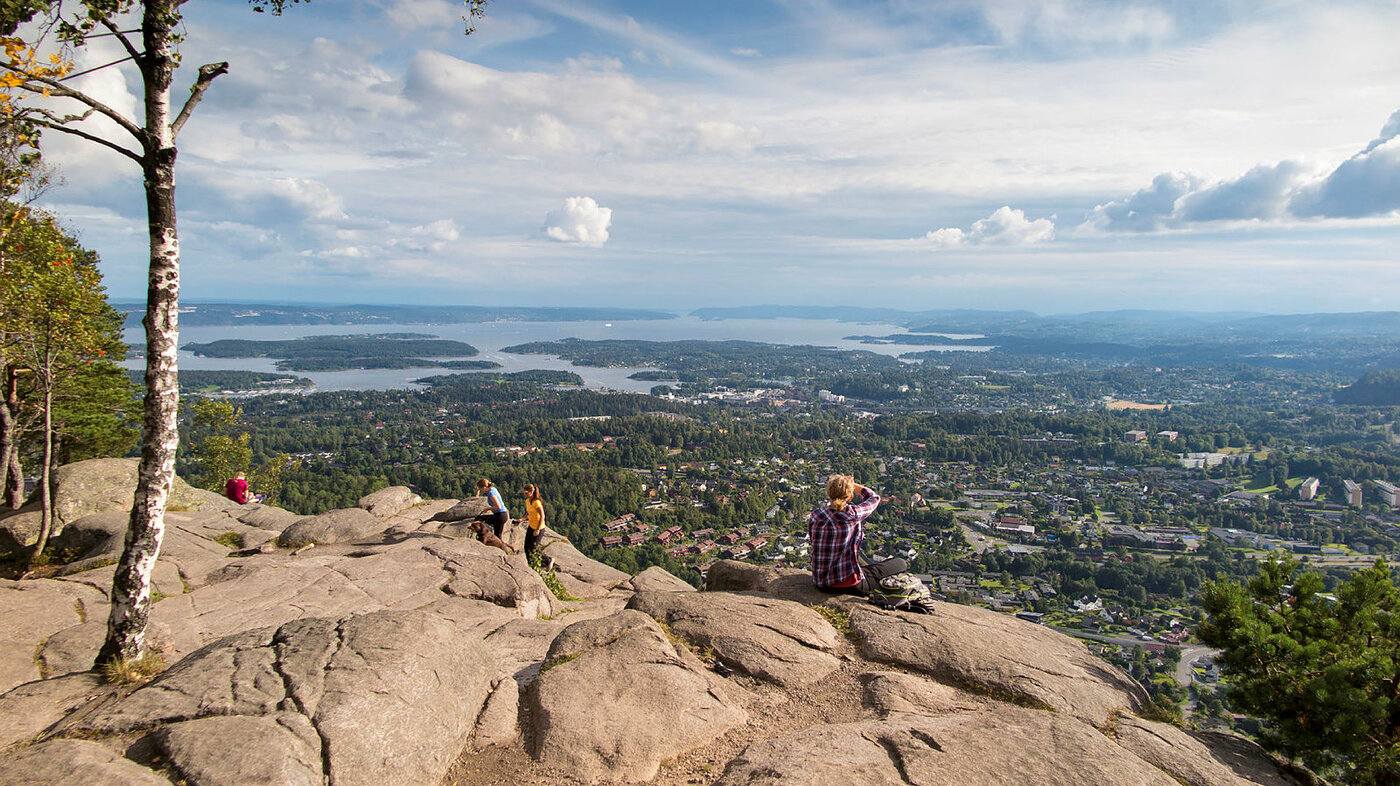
x: 534, y: 508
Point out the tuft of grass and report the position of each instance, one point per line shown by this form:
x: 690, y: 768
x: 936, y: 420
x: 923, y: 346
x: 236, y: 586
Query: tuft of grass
x: 550, y: 578
x: 560, y: 661
x: 1162, y: 710
x: 134, y: 671
x: 231, y: 539
x: 840, y: 619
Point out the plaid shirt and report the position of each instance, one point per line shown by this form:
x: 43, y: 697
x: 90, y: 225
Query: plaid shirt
x: 835, y: 537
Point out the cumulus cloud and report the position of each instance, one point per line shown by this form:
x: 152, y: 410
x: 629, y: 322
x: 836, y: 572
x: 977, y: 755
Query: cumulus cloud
x: 1367, y: 184
x: 1260, y: 193
x: 1147, y: 209
x: 581, y: 221
x: 1005, y: 227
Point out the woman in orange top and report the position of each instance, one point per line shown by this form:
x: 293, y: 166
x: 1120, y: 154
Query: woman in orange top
x: 534, y: 510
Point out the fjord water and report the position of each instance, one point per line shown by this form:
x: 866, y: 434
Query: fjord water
x: 490, y: 337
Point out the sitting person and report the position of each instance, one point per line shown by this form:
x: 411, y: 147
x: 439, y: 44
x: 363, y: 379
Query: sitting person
x: 836, y: 530
x: 236, y: 489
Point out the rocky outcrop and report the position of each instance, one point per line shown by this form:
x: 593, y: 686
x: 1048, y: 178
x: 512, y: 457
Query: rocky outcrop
x: 1196, y: 758
x: 999, y: 654
x: 571, y: 561
x: 409, y: 655
x: 336, y: 526
x: 74, y: 763
x: 769, y: 638
x: 31, y: 612
x: 96, y: 486
x: 660, y: 700
x: 987, y: 747
x: 384, y: 697
x: 656, y: 579
x: 389, y: 502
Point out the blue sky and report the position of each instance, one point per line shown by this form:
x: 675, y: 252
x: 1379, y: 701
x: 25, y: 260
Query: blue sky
x: 1052, y: 155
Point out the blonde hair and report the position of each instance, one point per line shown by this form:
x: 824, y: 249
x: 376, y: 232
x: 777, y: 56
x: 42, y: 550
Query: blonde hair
x: 483, y: 484
x: 840, y: 489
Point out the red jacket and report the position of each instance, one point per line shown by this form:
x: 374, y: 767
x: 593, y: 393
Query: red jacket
x: 236, y: 489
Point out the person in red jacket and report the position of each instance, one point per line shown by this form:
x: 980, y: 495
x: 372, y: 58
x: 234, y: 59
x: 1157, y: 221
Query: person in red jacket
x: 236, y: 489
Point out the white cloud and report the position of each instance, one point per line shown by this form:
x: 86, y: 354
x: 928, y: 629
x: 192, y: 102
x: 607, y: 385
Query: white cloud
x: 422, y: 14
x: 720, y: 136
x: 744, y: 51
x: 1004, y: 227
x: 1365, y: 185
x: 581, y: 221
x: 1147, y: 209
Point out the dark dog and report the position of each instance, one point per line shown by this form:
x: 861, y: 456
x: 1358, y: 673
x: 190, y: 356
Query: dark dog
x: 478, y: 528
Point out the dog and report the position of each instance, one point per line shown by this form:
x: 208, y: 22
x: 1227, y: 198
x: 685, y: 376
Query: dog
x: 479, y: 529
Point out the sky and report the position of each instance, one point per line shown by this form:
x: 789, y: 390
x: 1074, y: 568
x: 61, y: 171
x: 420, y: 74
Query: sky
x: 1058, y: 156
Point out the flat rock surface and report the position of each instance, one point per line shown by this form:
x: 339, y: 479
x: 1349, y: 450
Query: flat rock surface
x: 769, y: 638
x: 73, y: 763
x: 991, y: 747
x: 31, y: 612
x: 240, y: 749
x: 660, y: 701
x: 392, y: 696
x: 973, y: 647
x: 33, y: 707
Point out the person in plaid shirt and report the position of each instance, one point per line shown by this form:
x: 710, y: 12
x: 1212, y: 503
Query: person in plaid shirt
x: 835, y: 532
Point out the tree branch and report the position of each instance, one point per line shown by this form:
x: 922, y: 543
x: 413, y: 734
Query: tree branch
x: 121, y: 36
x: 137, y: 157
x: 63, y: 91
x: 207, y: 74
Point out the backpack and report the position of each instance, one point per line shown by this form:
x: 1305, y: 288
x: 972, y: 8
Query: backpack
x: 902, y: 592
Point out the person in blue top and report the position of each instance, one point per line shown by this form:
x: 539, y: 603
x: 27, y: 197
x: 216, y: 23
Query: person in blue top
x: 496, y: 514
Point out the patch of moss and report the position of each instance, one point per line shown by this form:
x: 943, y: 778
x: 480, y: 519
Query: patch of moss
x: 230, y: 539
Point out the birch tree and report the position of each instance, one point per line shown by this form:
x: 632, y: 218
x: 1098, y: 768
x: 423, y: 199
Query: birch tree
x: 34, y: 87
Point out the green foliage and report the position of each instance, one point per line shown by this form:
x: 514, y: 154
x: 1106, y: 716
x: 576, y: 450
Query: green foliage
x: 550, y: 578
x: 1321, y: 670
x: 1376, y: 387
x: 338, y: 353
x: 840, y: 619
x: 220, y: 453
x: 221, y: 450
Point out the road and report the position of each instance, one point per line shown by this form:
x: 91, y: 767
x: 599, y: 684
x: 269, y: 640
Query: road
x: 1184, y: 674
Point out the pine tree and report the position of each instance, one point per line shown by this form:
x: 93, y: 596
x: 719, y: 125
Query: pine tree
x: 1323, y: 670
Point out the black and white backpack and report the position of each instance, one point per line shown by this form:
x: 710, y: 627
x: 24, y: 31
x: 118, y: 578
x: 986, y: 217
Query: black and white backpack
x: 902, y: 592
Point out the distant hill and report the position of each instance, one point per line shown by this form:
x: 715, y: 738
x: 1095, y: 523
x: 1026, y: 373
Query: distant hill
x: 207, y: 314
x: 1376, y: 388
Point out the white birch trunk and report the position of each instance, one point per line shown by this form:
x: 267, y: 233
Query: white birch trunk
x: 131, y: 586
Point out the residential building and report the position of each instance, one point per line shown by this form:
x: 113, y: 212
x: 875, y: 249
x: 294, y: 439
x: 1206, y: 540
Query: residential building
x: 1309, y: 489
x: 1390, y: 495
x: 1352, y: 491
x: 1135, y: 436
